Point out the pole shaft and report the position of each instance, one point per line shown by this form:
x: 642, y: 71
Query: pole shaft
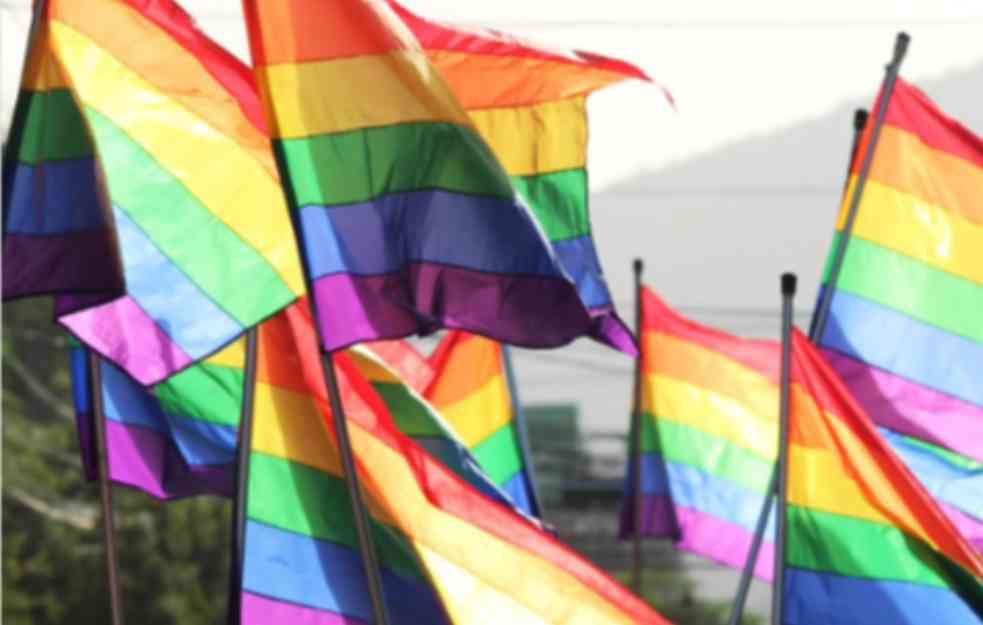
x: 105, y: 488
x: 778, y: 588
x: 737, y: 610
x: 636, y: 443
x: 890, y: 79
x: 522, y: 432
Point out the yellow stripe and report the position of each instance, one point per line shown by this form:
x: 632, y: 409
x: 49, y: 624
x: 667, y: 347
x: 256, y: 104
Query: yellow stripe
x: 718, y: 415
x: 825, y: 480
x: 372, y: 367
x: 909, y: 225
x: 537, y: 139
x: 307, y: 99
x: 503, y: 577
x: 480, y: 414
x: 289, y: 425
x: 234, y: 186
x: 233, y: 356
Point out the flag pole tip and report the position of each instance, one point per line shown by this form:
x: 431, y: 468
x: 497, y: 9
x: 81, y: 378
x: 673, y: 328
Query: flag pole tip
x: 901, y: 45
x: 637, y: 266
x: 789, y: 281
x: 860, y: 119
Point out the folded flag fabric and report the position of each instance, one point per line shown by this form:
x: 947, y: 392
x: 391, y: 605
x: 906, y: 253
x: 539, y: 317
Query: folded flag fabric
x: 709, y: 419
x: 470, y: 389
x: 866, y: 541
x: 448, y: 553
x: 408, y: 221
x: 412, y: 366
x: 902, y: 329
x: 529, y: 103
x: 186, y: 178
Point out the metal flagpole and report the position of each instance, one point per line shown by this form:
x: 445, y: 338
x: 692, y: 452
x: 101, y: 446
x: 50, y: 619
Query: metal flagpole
x: 522, y: 433
x: 890, y: 78
x: 244, y: 447
x: 359, y: 511
x: 778, y: 588
x: 105, y: 488
x: 636, y: 443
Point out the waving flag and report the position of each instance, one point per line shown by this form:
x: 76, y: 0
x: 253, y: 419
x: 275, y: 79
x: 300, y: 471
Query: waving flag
x: 301, y: 556
x: 408, y: 221
x: 470, y: 389
x: 902, y: 330
x: 709, y: 406
x: 197, y: 210
x: 530, y: 104
x: 866, y: 541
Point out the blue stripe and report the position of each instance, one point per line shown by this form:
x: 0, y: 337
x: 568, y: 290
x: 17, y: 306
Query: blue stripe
x: 126, y: 401
x: 519, y: 489
x: 80, y: 380
x: 53, y: 198
x: 579, y: 258
x: 169, y: 297
x: 903, y: 346
x: 202, y: 442
x: 326, y: 576
x: 957, y: 486
x: 813, y: 598
x: 385, y: 235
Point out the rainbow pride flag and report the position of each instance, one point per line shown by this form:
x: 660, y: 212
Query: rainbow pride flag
x: 709, y: 419
x: 866, y: 541
x: 448, y: 553
x: 470, y: 389
x: 902, y: 331
x: 408, y: 221
x: 530, y: 104
x: 198, y: 213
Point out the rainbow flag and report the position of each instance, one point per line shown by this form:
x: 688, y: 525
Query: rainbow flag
x: 408, y: 221
x: 530, y: 104
x: 177, y: 440
x: 902, y: 330
x: 302, y: 564
x: 198, y: 213
x: 470, y: 389
x: 866, y: 541
x: 709, y: 419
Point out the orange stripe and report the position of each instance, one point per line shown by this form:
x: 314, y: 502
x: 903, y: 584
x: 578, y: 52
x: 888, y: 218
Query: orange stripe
x: 145, y: 49
x: 296, y: 31
x: 483, y: 81
x: 905, y: 162
x: 472, y: 363
x: 41, y: 71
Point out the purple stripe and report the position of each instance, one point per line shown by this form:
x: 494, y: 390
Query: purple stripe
x: 520, y: 310
x: 658, y: 520
x: 968, y: 526
x: 910, y: 408
x: 258, y: 610
x: 123, y: 333
x: 150, y: 462
x: 46, y: 265
x: 611, y: 330
x: 723, y: 542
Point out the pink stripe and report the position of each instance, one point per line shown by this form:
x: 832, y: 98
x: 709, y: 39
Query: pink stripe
x: 257, y: 610
x: 722, y: 542
x: 123, y: 333
x: 910, y: 408
x: 136, y: 457
x: 970, y: 527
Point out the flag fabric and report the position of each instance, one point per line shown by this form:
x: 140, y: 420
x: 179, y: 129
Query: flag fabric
x: 301, y: 557
x: 408, y: 221
x: 186, y: 177
x: 179, y: 439
x: 412, y: 366
x: 470, y: 389
x: 866, y: 541
x: 709, y: 419
x: 902, y: 331
x: 530, y: 104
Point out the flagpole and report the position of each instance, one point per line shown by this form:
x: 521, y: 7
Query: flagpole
x: 360, y: 514
x: 243, y: 450
x: 522, y: 433
x: 890, y: 79
x: 781, y: 530
x: 105, y: 488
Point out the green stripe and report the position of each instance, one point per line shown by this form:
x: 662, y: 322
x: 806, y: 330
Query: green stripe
x: 499, y: 455
x: 908, y: 286
x: 357, y: 166
x: 185, y: 230
x: 559, y: 201
x: 413, y: 417
x: 946, y: 455
x: 305, y: 501
x: 53, y: 128
x: 854, y: 547
x: 711, y: 454
x: 206, y: 392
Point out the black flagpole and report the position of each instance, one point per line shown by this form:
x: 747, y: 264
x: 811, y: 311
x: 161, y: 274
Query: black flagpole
x: 781, y: 531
